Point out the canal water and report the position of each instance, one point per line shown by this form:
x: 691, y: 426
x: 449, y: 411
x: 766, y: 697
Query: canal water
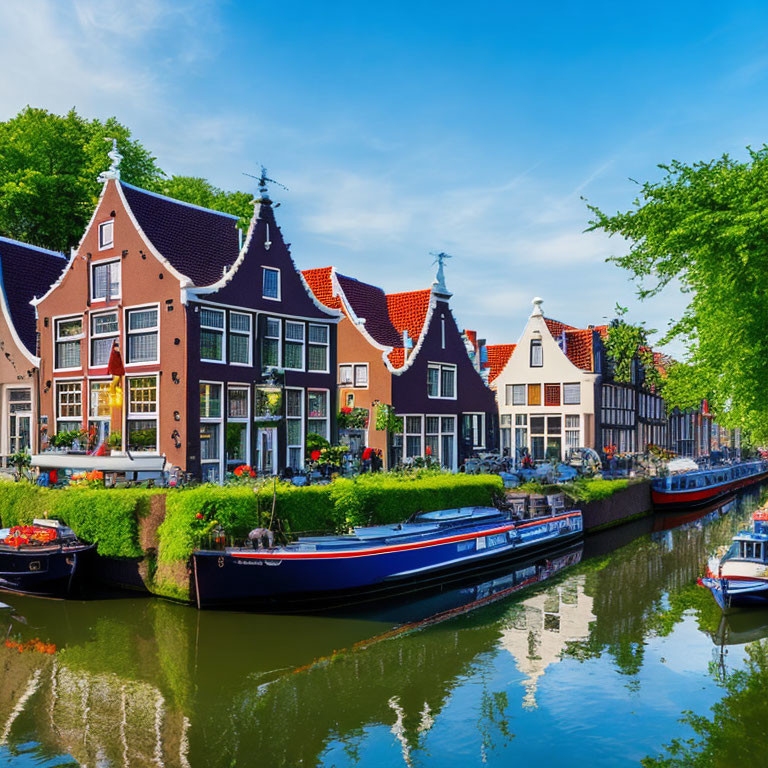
x: 592, y: 656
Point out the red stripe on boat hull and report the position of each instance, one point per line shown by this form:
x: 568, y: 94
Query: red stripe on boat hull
x: 698, y: 495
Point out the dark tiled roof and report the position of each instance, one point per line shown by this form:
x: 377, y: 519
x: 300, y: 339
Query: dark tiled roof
x: 371, y: 302
x: 199, y: 243
x: 498, y: 357
x: 26, y: 272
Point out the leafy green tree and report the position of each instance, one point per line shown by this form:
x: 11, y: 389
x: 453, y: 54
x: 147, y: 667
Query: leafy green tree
x: 704, y: 228
x: 626, y: 343
x: 49, y: 168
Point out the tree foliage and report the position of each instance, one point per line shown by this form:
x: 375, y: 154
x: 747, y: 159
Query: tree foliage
x: 704, y: 228
x: 49, y: 167
x: 626, y: 343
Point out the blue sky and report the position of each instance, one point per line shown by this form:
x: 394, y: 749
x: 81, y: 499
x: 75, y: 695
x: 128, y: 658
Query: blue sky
x: 404, y: 128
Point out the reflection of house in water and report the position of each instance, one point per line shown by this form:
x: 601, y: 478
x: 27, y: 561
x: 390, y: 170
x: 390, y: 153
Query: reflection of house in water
x: 539, y: 628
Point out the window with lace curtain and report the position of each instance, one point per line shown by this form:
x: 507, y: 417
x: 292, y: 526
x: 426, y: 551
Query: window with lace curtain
x: 142, y: 330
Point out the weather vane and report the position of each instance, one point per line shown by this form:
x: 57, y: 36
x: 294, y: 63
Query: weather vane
x: 263, y: 180
x: 113, y: 172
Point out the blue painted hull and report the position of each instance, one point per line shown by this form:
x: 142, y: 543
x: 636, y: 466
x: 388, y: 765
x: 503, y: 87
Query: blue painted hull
x: 354, y: 567
x: 735, y: 594
x: 44, y: 571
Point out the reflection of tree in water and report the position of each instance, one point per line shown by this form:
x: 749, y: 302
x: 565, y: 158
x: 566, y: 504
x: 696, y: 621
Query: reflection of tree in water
x: 734, y: 733
x: 645, y: 588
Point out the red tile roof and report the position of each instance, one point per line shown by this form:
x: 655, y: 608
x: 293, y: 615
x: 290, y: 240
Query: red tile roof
x: 319, y: 281
x: 556, y: 328
x: 498, y: 356
x: 408, y: 311
x: 579, y: 347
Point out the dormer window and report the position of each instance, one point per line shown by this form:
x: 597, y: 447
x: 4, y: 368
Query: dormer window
x: 270, y: 283
x: 106, y: 235
x: 537, y: 354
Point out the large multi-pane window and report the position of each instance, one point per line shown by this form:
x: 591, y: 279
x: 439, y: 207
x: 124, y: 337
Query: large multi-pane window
x: 440, y: 439
x: 239, y: 338
x: 413, y: 436
x: 210, y: 431
x: 441, y: 381
x: 270, y: 343
x: 69, y: 405
x: 294, y: 427
x: 105, y: 280
x: 572, y: 431
x: 104, y: 331
x: 141, y: 414
x: 521, y: 433
x: 294, y: 346
x: 317, y: 349
x: 237, y: 435
x: 142, y: 330
x: 69, y: 331
x: 317, y: 412
x: 211, y: 334
x: 515, y: 394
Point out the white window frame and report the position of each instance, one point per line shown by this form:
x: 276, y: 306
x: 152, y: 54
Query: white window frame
x: 571, y: 430
x: 478, y: 427
x: 59, y: 418
x: 536, y: 343
x: 566, y: 400
x: 326, y: 346
x: 347, y: 382
x: 407, y: 434
x: 239, y: 420
x: 224, y: 405
x: 451, y: 464
x: 104, y: 246
x: 287, y: 341
x: 327, y: 410
x: 249, y: 335
x: 515, y: 389
x: 222, y: 331
x: 364, y: 367
x: 77, y: 337
x: 142, y: 416
x: 303, y: 423
x: 264, y: 270
x: 112, y: 296
x: 278, y: 338
x: 115, y: 335
x: 128, y: 333
x: 440, y: 395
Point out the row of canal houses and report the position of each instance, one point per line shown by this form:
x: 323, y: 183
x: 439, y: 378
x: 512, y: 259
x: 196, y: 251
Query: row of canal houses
x: 230, y: 355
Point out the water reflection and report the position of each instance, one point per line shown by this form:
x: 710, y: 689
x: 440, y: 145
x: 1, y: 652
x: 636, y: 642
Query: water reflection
x: 143, y: 682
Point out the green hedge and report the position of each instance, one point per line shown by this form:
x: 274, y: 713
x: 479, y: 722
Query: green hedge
x: 107, y: 518
x: 582, y: 489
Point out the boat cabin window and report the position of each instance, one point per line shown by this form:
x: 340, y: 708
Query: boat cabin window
x: 751, y: 550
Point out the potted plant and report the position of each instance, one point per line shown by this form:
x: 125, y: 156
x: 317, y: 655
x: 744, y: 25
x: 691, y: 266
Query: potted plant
x: 115, y: 443
x: 21, y: 461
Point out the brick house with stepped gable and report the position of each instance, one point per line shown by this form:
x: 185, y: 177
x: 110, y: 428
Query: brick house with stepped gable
x: 26, y: 271
x: 205, y: 324
x: 406, y: 350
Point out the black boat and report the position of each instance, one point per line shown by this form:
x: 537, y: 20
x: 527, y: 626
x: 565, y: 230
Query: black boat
x: 41, y: 559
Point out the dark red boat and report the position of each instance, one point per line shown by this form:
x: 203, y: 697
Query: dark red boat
x: 697, y: 488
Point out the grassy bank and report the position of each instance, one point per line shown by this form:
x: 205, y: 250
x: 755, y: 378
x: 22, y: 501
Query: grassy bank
x: 117, y: 520
x: 582, y: 489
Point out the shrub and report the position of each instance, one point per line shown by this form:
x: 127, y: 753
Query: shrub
x: 108, y: 518
x: 582, y: 489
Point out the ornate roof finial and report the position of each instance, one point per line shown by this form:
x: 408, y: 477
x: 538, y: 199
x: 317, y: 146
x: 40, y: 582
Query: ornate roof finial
x: 537, y: 310
x: 113, y: 172
x: 438, y: 285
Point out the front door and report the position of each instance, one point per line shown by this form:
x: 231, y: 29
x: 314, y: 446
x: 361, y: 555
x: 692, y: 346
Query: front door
x: 266, y: 450
x: 19, y: 420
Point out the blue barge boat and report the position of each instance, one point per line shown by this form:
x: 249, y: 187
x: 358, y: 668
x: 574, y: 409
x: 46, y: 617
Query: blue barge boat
x: 699, y: 487
x: 373, y: 560
x: 740, y: 576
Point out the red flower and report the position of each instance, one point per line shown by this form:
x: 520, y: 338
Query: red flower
x: 367, y: 454
x: 429, y: 450
x: 199, y: 515
x: 315, y: 455
x: 238, y: 471
x: 346, y: 409
x: 253, y: 474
